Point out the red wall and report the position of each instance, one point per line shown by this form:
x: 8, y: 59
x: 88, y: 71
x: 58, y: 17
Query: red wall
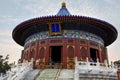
x: 79, y: 48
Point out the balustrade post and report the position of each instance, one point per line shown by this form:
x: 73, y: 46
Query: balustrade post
x: 87, y: 63
x: 112, y: 65
x: 32, y: 59
x: 76, y: 74
x: 86, y: 59
x: 98, y: 63
x: 76, y: 64
x: 105, y: 62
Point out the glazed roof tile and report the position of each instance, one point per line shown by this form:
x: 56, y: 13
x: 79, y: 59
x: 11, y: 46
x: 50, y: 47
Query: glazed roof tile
x: 63, y: 11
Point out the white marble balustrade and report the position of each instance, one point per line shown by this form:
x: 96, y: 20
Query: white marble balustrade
x: 93, y: 68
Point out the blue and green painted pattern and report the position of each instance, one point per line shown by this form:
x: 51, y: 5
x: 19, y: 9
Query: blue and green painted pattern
x: 65, y: 34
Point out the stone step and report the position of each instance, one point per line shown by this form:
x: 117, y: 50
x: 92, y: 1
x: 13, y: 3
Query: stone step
x: 48, y: 74
x: 30, y: 75
x: 66, y: 74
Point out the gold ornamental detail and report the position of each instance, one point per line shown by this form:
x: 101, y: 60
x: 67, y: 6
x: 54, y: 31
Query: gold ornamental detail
x: 70, y: 45
x: 83, y: 47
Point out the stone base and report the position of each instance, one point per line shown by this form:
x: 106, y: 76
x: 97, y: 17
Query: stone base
x: 96, y: 77
x: 68, y: 74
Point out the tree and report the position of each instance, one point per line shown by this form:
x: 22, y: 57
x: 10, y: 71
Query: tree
x: 117, y: 63
x: 4, y: 66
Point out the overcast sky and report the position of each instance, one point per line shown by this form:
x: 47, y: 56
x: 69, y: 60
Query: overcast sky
x: 13, y: 12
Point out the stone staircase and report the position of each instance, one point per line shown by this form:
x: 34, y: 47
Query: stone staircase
x: 66, y: 74
x: 48, y: 74
x: 56, y: 74
x: 30, y: 75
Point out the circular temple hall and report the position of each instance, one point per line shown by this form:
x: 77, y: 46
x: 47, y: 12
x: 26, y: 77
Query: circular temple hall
x: 59, y: 38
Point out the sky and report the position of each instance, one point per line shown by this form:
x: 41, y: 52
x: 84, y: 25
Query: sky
x: 13, y: 12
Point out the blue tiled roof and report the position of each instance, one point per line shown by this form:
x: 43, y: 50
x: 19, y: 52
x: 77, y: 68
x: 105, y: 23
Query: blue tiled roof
x: 63, y: 12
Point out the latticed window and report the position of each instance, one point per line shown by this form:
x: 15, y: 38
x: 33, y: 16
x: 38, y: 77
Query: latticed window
x: 70, y: 52
x: 83, y: 52
x: 41, y: 53
x: 32, y: 53
x: 103, y: 53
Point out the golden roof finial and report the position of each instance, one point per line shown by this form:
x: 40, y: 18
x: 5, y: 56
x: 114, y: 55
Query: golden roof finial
x: 63, y: 4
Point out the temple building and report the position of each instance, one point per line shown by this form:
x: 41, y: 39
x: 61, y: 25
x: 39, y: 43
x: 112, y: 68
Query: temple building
x: 64, y: 47
x: 62, y: 37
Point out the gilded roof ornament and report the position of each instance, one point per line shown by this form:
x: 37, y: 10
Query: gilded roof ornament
x: 63, y: 4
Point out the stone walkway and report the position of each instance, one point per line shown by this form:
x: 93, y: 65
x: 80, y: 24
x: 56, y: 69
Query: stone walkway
x: 48, y: 74
x: 66, y: 74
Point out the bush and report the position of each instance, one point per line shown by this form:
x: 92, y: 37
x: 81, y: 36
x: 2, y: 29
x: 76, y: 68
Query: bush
x: 4, y: 66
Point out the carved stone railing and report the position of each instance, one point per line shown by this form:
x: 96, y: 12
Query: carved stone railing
x: 18, y: 71
x: 93, y: 68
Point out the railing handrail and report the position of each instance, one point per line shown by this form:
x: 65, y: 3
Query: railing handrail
x: 97, y: 64
x: 88, y: 65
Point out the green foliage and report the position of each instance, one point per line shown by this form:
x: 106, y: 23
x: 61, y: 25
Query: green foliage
x: 117, y: 63
x: 4, y: 66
